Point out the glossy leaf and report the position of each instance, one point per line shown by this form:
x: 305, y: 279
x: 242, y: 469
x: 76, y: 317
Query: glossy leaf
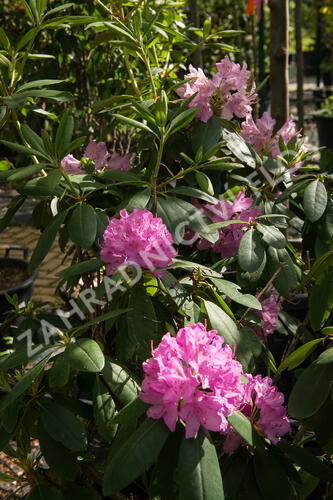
x: 63, y: 426
x: 45, y: 241
x: 141, y: 320
x: 315, y: 200
x: 104, y: 410
x: 85, y: 355
x: 120, y: 381
x: 82, y: 226
x: 250, y: 251
x: 199, y: 470
x: 135, y: 456
x: 272, y: 236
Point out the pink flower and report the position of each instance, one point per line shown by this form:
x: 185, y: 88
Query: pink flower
x: 140, y: 239
x: 192, y: 377
x: 117, y: 162
x: 205, y: 89
x: 230, y: 235
x: 271, y: 419
x: 269, y: 315
x: 72, y: 165
x: 225, y: 95
x: 98, y: 153
x: 260, y: 135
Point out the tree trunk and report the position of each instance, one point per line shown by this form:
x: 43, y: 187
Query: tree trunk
x: 299, y: 63
x: 194, y: 18
x: 279, y: 78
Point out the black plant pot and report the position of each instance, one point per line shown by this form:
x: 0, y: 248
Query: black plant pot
x: 325, y: 131
x: 24, y: 289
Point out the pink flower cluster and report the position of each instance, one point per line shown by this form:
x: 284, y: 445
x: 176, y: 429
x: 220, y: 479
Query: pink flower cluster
x: 138, y: 239
x: 263, y: 405
x: 260, y: 134
x: 194, y: 377
x: 224, y: 210
x: 269, y: 315
x: 227, y: 94
x: 98, y: 153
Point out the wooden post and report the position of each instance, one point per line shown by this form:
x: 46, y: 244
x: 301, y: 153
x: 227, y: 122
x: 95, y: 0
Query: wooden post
x: 194, y: 18
x: 299, y: 63
x: 279, y: 78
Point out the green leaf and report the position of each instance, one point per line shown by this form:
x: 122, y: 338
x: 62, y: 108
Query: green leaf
x: 38, y: 83
x: 181, y: 120
x: 297, y: 357
x: 221, y: 322
x: 139, y: 200
x: 250, y: 251
x: 46, y: 241
x: 82, y: 226
x: 132, y: 411
x: 318, y: 267
x: 120, y: 381
x: 272, y: 478
x: 205, y: 183
x: 141, y: 320
x: 221, y: 165
x: 287, y: 277
x: 315, y: 200
x: 195, y: 193
x: 59, y: 373
x: 22, y: 385
x: 85, y: 355
x: 17, y: 100
x: 32, y: 138
x: 133, y: 123
x: 4, y: 61
x: 306, y: 460
x: 12, y: 208
x: 74, y: 145
x: 321, y: 299
x: 4, y: 41
x: 99, y: 319
x: 62, y: 425
x: 199, y: 470
x: 294, y: 188
x: 81, y: 267
x: 23, y: 172
x: 104, y: 410
x: 135, y: 456
x: 245, y: 429
x: 24, y: 149
x: 57, y: 456
x: 231, y: 290
x: 238, y: 146
x: 64, y: 134
x: 311, y: 390
x: 206, y: 135
x: 272, y: 236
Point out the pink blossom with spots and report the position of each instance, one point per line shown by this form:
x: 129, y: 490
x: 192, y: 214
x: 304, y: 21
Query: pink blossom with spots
x: 193, y: 377
x: 227, y: 94
x: 138, y: 238
x: 263, y: 405
x: 224, y: 210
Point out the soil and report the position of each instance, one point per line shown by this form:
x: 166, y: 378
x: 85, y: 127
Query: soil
x: 11, y: 275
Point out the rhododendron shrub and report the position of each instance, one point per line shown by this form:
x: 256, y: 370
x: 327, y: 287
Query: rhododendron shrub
x: 175, y: 211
